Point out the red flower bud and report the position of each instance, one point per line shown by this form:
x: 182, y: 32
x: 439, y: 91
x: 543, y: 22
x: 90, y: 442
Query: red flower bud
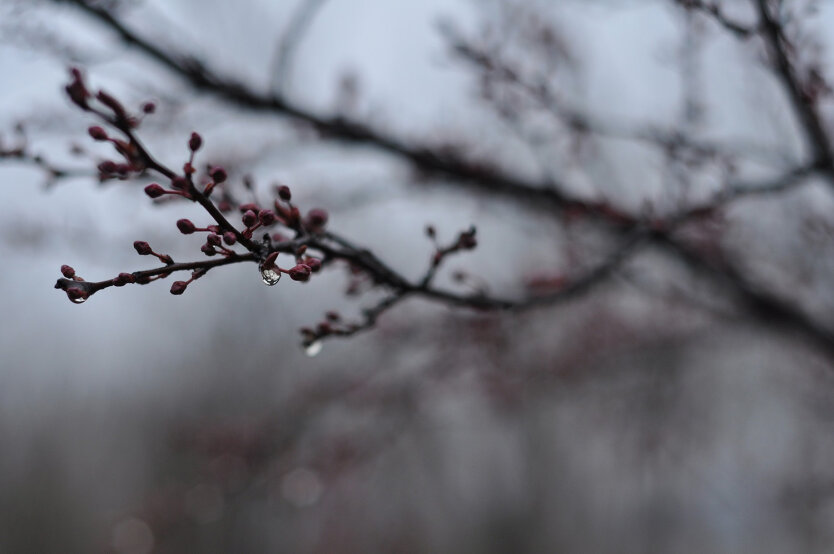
x: 467, y: 239
x: 142, y: 248
x: 185, y: 226
x: 229, y: 238
x: 149, y: 107
x: 284, y: 193
x: 218, y: 175
x: 208, y: 249
x: 77, y: 91
x: 266, y: 217
x: 213, y: 239
x: 107, y: 167
x: 154, y: 190
x: 122, y: 279
x: 249, y: 218
x: 316, y: 218
x: 314, y: 264
x: 269, y: 262
x: 97, y: 133
x: 195, y: 142
x: 67, y: 271
x: 178, y: 287
x: 300, y: 272
x: 76, y: 294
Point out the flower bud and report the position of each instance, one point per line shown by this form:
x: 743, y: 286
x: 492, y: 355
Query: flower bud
x: 266, y: 217
x: 213, y: 239
x: 467, y: 239
x: 178, y: 287
x: 107, y: 167
x: 208, y: 250
x: 154, y: 190
x: 195, y: 142
x: 284, y: 193
x: 269, y: 262
x: 229, y: 238
x: 314, y: 264
x: 300, y: 272
x: 249, y: 218
x: 148, y: 107
x: 97, y: 133
x: 316, y: 218
x: 185, y: 226
x: 76, y: 294
x: 218, y: 174
x: 67, y: 271
x: 122, y: 279
x: 142, y: 248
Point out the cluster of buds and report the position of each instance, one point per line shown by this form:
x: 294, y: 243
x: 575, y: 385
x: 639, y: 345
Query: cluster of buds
x: 222, y: 237
x: 261, y: 235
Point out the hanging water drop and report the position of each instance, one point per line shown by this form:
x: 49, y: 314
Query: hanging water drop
x: 78, y: 299
x: 270, y: 276
x: 313, y: 348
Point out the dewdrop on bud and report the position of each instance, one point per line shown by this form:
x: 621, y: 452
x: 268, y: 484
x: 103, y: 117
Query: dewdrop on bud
x: 76, y: 295
x: 313, y: 348
x: 270, y: 276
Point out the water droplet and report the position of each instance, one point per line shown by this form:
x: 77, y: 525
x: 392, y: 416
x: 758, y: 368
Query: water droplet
x: 270, y: 276
x: 313, y: 348
x: 78, y: 300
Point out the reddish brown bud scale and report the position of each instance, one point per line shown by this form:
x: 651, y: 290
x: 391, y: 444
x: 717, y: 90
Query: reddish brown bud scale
x: 218, y: 175
x: 178, y: 287
x: 195, y: 142
x: 67, y: 271
x: 314, y: 264
x: 266, y: 217
x: 97, y: 133
x: 300, y: 272
x: 269, y: 262
x: 122, y: 279
x: 154, y: 190
x: 142, y: 248
x: 317, y: 218
x: 107, y: 167
x: 249, y: 218
x: 284, y: 193
x: 185, y: 226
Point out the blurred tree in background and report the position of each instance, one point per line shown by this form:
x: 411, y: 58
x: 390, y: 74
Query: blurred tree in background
x: 633, y: 353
